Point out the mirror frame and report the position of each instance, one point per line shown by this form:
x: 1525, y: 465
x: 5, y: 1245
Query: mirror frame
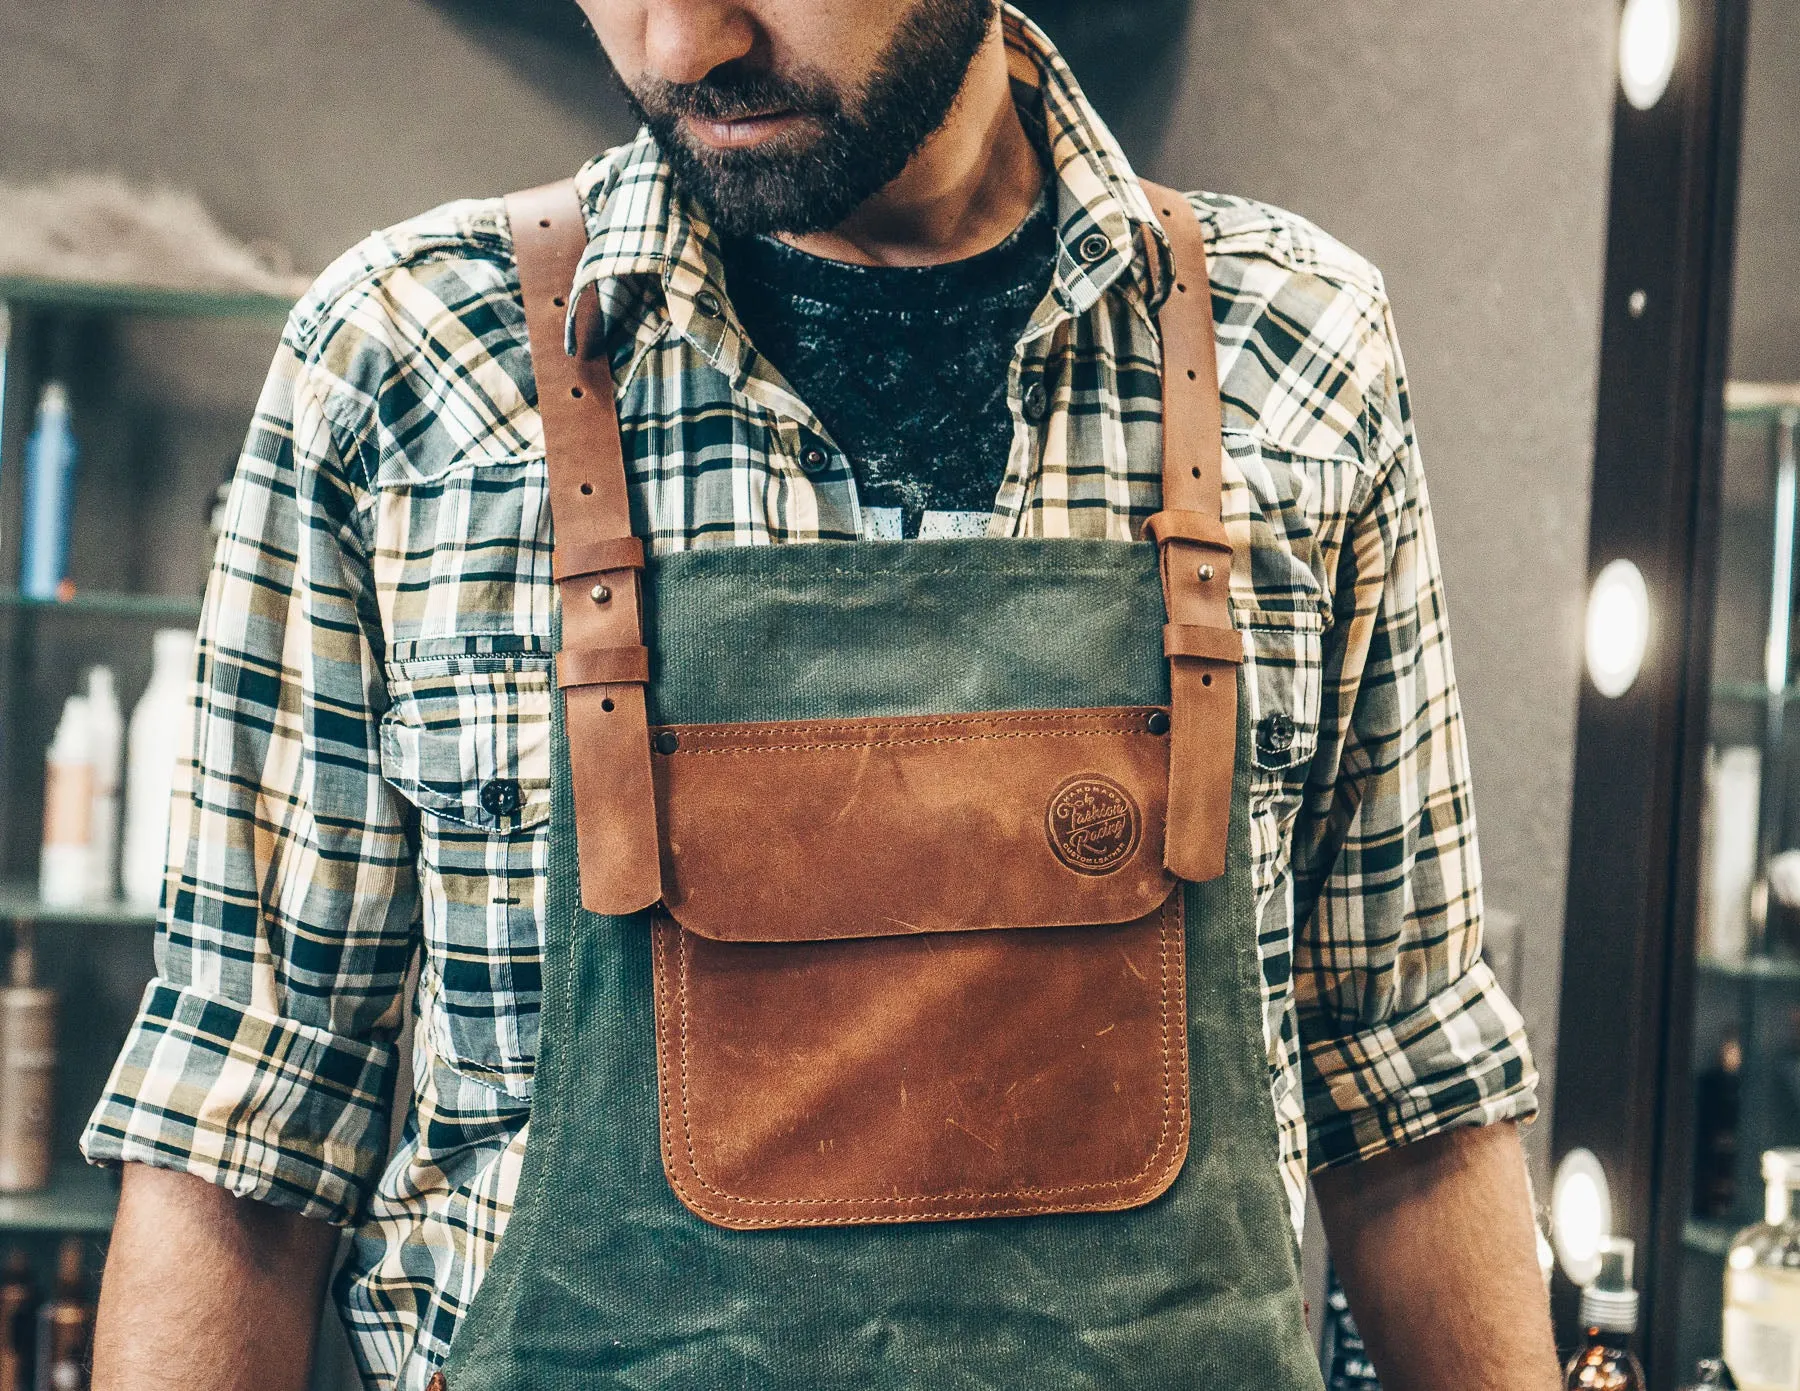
x: 1623, y: 1083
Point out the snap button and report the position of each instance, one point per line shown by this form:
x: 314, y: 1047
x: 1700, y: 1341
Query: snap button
x: 1158, y: 723
x: 1036, y: 404
x: 667, y: 743
x: 708, y: 304
x: 813, y: 458
x: 1275, y: 734
x: 1094, y: 247
x: 500, y: 796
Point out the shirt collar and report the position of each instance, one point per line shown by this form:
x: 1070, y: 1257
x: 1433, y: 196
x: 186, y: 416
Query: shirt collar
x: 643, y: 227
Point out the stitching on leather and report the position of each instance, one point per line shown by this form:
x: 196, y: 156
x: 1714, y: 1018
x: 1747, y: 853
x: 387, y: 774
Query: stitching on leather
x: 857, y: 746
x: 1172, y: 906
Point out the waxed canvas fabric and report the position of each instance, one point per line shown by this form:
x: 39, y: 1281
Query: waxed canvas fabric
x: 604, y: 1279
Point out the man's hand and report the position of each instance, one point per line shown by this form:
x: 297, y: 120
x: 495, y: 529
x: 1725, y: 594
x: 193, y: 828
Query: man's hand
x: 1437, y: 1250
x: 207, y: 1291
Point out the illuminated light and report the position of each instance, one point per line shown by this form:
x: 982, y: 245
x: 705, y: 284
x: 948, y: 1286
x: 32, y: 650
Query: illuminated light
x: 1618, y: 628
x: 1649, y: 39
x: 1580, y: 1215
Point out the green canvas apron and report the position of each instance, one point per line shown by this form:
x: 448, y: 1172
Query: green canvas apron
x: 991, y: 665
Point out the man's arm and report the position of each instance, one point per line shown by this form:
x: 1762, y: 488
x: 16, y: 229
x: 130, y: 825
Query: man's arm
x: 1437, y: 1250
x: 258, y: 1073
x: 207, y: 1290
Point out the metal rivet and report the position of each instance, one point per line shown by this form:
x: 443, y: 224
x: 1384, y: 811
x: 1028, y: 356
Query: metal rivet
x: 600, y: 594
x: 814, y: 459
x: 1158, y: 723
x: 708, y: 304
x: 667, y: 743
x: 1036, y: 404
x: 1094, y: 247
x: 1206, y: 574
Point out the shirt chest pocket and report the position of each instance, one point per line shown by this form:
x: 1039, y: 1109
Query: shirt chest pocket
x: 466, y: 743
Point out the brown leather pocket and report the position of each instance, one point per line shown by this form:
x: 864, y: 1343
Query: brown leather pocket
x: 820, y: 830
x: 917, y: 969
x: 920, y: 1078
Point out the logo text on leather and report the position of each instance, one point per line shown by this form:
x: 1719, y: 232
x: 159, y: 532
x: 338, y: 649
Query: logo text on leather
x: 1093, y: 824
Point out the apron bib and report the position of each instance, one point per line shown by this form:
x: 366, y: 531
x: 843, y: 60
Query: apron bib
x: 902, y: 1021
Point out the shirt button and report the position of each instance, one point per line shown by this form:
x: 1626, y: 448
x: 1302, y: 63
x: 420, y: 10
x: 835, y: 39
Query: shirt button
x: 1036, y: 404
x: 500, y: 796
x: 709, y: 304
x: 1094, y: 247
x: 1275, y: 734
x: 813, y: 458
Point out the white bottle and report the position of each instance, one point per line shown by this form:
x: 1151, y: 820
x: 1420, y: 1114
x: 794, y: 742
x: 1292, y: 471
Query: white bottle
x: 1762, y: 1285
x: 159, y: 728
x: 109, y: 734
x: 66, y: 867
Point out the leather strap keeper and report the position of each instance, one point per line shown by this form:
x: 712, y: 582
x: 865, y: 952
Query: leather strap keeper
x: 1206, y: 644
x: 577, y: 560
x: 603, y: 666
x: 1198, y: 527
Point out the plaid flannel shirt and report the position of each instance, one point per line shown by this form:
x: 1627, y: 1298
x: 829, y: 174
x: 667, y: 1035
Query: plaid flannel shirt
x: 375, y: 650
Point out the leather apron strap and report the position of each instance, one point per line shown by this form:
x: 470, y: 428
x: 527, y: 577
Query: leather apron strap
x: 603, y: 666
x: 1200, y: 642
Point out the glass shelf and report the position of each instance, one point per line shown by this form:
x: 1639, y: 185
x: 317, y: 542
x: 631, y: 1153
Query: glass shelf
x: 1708, y: 1236
x: 80, y: 1198
x: 1749, y: 692
x: 1750, y: 403
x: 1752, y: 968
x: 20, y: 902
x: 83, y: 296
x: 150, y: 606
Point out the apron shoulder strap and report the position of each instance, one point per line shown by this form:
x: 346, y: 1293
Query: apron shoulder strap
x: 1200, y: 642
x: 603, y: 666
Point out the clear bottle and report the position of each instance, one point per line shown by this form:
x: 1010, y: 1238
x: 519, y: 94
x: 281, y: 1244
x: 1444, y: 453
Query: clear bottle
x: 1762, y: 1285
x: 1609, y: 1312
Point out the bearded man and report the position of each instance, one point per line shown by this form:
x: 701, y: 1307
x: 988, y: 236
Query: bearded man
x: 894, y: 679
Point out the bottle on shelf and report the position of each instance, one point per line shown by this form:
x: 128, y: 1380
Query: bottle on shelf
x: 108, y: 735
x: 1716, y: 1094
x: 49, y: 495
x: 159, y: 725
x: 1729, y: 821
x: 65, y: 1333
x: 18, y: 1321
x: 1713, y: 1377
x: 66, y: 869
x: 27, y: 1071
x: 1762, y: 1285
x: 1609, y: 1312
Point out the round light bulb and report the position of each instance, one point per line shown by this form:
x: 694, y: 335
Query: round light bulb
x: 1649, y: 40
x: 1580, y: 1215
x: 1618, y: 628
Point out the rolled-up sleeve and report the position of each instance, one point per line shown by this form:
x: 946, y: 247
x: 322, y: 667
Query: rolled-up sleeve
x: 1404, y: 1031
x: 262, y: 1055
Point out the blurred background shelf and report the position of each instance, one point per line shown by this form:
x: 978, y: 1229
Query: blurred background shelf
x: 80, y: 1199
x: 1751, y: 402
x: 1752, y: 968
x: 19, y: 902
x: 1707, y: 1237
x: 91, y: 297
x: 157, y: 607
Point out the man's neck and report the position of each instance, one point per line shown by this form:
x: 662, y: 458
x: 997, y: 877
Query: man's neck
x: 966, y: 190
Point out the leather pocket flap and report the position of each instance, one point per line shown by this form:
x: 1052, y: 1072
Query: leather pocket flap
x: 822, y: 830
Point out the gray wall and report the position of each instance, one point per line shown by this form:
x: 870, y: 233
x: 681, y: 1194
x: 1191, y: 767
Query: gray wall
x: 1464, y: 148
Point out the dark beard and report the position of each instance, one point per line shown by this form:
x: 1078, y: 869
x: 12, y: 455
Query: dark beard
x: 803, y: 182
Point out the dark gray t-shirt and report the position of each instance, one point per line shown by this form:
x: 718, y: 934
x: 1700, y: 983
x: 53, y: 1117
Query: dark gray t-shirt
x: 906, y: 367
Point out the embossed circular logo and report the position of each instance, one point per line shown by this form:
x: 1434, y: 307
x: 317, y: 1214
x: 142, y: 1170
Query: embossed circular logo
x: 1093, y: 824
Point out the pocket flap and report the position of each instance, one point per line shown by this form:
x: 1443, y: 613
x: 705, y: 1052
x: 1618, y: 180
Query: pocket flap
x: 820, y: 830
